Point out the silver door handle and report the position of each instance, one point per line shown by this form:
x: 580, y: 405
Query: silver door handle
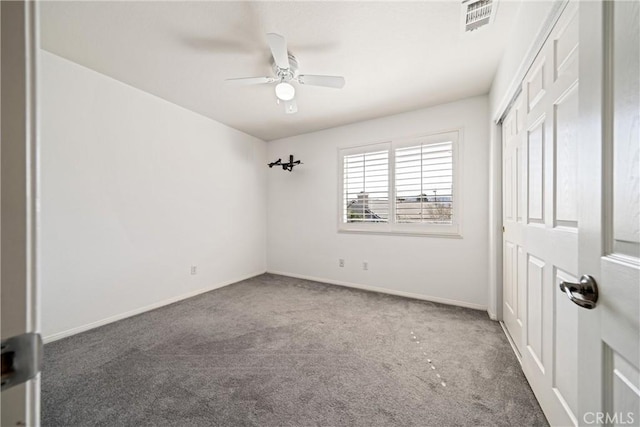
x: 584, y: 294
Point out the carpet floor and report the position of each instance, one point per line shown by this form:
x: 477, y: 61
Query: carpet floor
x: 278, y: 351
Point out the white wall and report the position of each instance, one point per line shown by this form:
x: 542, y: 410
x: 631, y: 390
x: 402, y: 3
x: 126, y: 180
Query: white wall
x: 302, y: 212
x: 135, y: 190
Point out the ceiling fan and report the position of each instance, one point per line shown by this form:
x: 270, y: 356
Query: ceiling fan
x: 285, y: 68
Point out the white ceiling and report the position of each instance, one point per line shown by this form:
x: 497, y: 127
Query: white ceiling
x: 395, y: 56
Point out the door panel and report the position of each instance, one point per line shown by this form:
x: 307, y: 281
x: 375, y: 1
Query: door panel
x: 565, y: 346
x: 535, y: 307
x: 508, y: 192
x: 519, y: 178
x: 521, y: 274
x: 534, y: 85
x: 510, y: 290
x: 566, y: 49
x: 626, y: 156
x: 521, y: 156
x: 566, y: 165
x: 623, y: 378
x: 535, y: 166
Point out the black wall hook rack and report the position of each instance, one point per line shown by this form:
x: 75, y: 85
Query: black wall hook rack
x: 286, y: 166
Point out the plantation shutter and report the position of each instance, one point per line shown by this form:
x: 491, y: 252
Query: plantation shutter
x: 366, y: 187
x: 424, y: 183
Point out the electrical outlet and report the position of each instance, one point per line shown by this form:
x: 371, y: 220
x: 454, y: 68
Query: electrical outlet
x: 365, y: 265
x: 341, y: 262
x: 194, y: 269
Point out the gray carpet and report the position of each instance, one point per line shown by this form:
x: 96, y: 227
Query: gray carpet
x: 277, y: 351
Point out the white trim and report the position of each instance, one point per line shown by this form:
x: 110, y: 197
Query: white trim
x: 365, y: 149
x: 491, y: 314
x: 393, y: 232
x: 144, y: 309
x: 383, y: 290
x: 495, y: 222
x: 34, y: 308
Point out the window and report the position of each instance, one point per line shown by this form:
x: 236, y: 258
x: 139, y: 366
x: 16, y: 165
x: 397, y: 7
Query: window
x: 424, y: 183
x: 366, y: 187
x: 404, y: 186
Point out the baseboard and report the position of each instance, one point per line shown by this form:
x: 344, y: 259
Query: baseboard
x: 383, y: 290
x: 492, y: 315
x: 141, y: 310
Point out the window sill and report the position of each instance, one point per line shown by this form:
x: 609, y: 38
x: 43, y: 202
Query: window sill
x: 451, y: 232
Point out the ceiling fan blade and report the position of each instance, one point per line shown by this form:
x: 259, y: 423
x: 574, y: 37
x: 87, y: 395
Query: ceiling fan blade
x: 251, y: 80
x: 326, y: 81
x: 291, y: 107
x: 278, y: 46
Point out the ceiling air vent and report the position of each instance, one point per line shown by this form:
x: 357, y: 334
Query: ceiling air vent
x: 477, y: 13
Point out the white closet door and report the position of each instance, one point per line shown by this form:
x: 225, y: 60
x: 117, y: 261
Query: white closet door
x: 541, y: 221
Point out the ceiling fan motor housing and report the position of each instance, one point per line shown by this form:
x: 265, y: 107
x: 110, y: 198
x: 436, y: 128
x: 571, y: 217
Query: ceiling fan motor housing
x: 286, y: 74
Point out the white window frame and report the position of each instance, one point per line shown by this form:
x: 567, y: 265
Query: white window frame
x: 391, y: 227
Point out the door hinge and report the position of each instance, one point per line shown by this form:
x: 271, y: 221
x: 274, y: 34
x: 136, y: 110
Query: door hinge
x: 21, y: 359
x: 503, y: 228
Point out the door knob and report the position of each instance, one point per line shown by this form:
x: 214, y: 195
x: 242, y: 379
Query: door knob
x: 584, y: 293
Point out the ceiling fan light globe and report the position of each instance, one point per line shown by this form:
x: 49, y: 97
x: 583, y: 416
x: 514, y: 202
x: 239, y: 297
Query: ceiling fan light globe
x: 285, y: 91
